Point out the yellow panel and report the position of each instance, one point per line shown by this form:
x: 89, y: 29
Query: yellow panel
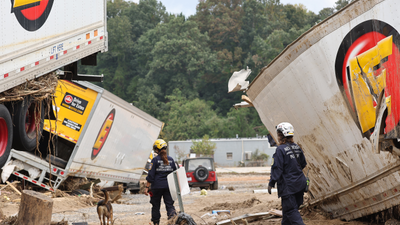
x: 364, y: 82
x: 18, y: 3
x: 74, y: 103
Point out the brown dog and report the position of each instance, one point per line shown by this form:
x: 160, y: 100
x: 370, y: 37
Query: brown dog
x: 104, y: 209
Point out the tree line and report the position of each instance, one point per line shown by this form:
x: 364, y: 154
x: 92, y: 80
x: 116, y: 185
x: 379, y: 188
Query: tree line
x: 177, y: 68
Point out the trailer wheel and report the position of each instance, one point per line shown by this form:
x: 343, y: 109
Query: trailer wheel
x: 28, y: 121
x: 6, y: 134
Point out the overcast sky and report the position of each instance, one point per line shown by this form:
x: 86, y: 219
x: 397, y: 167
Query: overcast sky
x: 188, y: 7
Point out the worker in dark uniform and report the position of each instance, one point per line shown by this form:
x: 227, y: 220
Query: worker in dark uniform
x: 286, y: 170
x: 161, y: 166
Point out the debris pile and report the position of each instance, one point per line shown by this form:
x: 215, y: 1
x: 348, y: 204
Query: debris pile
x: 39, y: 88
x: 233, y: 206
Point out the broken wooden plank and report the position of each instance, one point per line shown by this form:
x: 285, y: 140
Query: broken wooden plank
x: 247, y: 217
x: 276, y: 212
x: 8, y: 184
x: 12, y: 186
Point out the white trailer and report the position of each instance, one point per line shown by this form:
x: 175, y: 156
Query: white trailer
x: 338, y: 84
x: 109, y: 139
x: 36, y: 38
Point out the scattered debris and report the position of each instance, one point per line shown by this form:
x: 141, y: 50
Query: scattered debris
x: 184, y: 219
x: 209, y: 215
x: 58, y: 193
x: 87, y: 185
x: 115, y: 192
x: 39, y: 88
x: 244, y: 219
x: 9, y: 220
x: 73, y: 183
x: 62, y: 222
x: 275, y: 212
x: 12, y: 186
x: 221, y: 212
x: 233, y: 206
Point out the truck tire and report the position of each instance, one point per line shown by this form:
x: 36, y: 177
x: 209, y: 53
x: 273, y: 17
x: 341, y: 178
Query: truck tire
x: 56, y: 161
x: 201, y: 174
x: 28, y: 124
x: 6, y: 134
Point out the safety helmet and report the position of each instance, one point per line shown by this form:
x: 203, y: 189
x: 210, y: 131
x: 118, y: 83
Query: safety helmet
x: 159, y: 144
x: 286, y: 129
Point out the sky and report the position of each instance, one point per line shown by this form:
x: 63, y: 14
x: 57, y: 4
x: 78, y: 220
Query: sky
x: 188, y: 7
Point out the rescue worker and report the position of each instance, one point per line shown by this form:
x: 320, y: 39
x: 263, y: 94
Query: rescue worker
x: 288, y: 162
x: 160, y: 167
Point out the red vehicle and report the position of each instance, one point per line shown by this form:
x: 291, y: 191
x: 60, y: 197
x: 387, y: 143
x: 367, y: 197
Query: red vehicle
x: 200, y: 172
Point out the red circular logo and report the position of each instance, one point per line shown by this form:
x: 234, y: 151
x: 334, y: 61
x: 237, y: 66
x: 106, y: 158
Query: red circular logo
x: 367, y: 68
x: 68, y: 99
x: 31, y: 15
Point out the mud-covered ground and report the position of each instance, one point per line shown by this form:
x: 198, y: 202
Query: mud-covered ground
x: 236, y: 194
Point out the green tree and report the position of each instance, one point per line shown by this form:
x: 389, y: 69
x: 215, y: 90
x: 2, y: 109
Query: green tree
x: 176, y: 56
x: 259, y: 156
x: 204, y: 147
x: 298, y: 16
x: 325, y: 13
x: 342, y: 3
x: 221, y: 20
x: 188, y: 119
x: 126, y: 22
x: 242, y: 122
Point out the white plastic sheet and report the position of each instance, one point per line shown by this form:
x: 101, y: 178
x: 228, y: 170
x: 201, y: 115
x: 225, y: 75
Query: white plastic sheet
x: 16, y: 165
x: 183, y: 183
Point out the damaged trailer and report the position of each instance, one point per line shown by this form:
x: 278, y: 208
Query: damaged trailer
x: 92, y: 134
x: 339, y: 85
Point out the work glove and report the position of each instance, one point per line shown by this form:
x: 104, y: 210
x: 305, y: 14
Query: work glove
x: 269, y: 189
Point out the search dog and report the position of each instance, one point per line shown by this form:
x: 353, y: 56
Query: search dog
x: 105, y: 210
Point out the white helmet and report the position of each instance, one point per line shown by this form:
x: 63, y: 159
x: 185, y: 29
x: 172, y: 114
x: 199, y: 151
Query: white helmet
x: 286, y: 129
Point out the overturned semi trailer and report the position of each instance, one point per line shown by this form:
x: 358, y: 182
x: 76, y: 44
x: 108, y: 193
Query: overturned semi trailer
x: 339, y: 85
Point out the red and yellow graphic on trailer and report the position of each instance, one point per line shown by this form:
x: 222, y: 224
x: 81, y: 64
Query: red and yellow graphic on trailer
x: 367, y: 70
x: 31, y: 14
x: 103, y: 134
x: 73, y: 106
